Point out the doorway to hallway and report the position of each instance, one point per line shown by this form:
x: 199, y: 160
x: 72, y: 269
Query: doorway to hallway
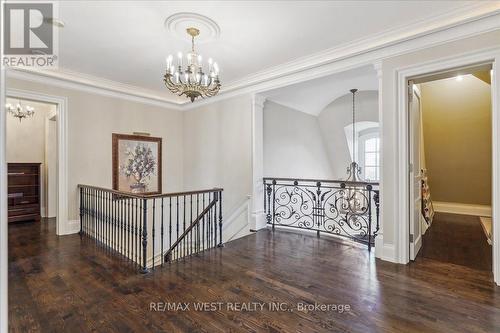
x: 450, y: 156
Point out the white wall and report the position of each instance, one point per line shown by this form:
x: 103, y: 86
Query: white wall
x: 335, y: 117
x: 293, y: 145
x: 93, y: 118
x: 218, y: 151
x: 390, y: 127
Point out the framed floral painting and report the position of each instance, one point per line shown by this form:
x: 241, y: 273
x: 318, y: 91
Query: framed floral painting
x: 137, y: 164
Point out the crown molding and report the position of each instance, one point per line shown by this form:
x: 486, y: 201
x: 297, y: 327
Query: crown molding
x: 387, y: 38
x: 464, y: 22
x: 79, y: 81
x: 469, y: 21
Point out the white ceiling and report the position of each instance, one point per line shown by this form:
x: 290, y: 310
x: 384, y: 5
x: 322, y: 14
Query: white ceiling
x: 313, y: 96
x: 125, y: 42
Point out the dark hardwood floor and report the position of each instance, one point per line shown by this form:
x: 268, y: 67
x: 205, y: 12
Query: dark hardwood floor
x: 64, y: 284
x: 457, y: 239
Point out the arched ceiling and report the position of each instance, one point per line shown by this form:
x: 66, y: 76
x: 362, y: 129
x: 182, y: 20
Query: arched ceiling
x: 313, y: 96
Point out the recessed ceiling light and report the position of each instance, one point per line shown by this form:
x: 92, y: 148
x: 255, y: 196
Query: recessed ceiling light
x: 459, y: 78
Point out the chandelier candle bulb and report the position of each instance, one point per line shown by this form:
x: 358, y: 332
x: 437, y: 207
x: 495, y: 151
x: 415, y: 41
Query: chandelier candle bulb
x: 179, y: 59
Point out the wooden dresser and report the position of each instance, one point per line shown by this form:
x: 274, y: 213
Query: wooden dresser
x: 24, y: 191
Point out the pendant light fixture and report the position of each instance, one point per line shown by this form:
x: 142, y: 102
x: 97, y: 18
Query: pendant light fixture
x: 354, y: 189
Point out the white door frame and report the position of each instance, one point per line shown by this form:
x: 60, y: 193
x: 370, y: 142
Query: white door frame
x: 402, y: 202
x: 62, y: 155
x: 417, y: 239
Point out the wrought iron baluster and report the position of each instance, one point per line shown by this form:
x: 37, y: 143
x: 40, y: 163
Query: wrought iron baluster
x: 220, y: 219
x: 141, y: 216
x: 144, y: 235
x: 94, y: 209
x: 81, y: 212
x: 369, y: 188
x: 136, y: 238
x: 190, y: 235
x: 115, y: 222
x: 203, y: 221
x: 121, y: 226
x: 128, y: 228
x: 216, y: 197
x: 268, y: 213
x: 318, y: 207
x: 184, y: 227
x: 376, y: 200
x: 100, y: 201
x: 177, y: 218
x: 170, y: 222
x: 209, y: 223
x: 198, y: 224
x: 153, y: 232
x: 274, y: 203
x: 161, y: 232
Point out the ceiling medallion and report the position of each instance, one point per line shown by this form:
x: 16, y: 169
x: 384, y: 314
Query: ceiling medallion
x: 187, y: 77
x: 19, y: 112
x: 177, y: 24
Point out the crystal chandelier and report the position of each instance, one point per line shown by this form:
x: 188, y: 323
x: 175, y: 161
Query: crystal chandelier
x: 191, y: 80
x: 19, y: 112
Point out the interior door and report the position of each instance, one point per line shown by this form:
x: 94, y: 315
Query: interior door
x: 415, y: 178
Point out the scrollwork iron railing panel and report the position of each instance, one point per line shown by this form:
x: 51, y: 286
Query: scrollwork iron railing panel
x: 346, y: 209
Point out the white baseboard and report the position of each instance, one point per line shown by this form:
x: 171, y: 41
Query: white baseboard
x: 72, y: 227
x: 460, y: 208
x: 260, y: 220
x: 383, y: 251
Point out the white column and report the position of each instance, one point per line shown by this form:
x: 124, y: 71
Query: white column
x: 379, y: 241
x: 258, y: 216
x: 4, y: 317
x: 495, y: 84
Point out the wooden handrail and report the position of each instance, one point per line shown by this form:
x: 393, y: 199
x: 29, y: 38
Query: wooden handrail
x: 150, y: 196
x: 321, y: 181
x: 191, y: 226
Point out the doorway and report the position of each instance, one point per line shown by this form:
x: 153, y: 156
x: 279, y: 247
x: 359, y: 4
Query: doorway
x: 31, y: 136
x: 450, y: 166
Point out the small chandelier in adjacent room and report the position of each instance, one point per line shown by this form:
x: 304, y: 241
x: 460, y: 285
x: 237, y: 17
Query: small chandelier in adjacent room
x: 20, y: 112
x: 187, y: 77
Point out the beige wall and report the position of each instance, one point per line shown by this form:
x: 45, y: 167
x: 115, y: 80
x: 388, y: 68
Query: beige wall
x: 218, y: 150
x: 457, y: 138
x: 93, y: 118
x: 26, y: 138
x: 293, y: 144
x: 389, y: 109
